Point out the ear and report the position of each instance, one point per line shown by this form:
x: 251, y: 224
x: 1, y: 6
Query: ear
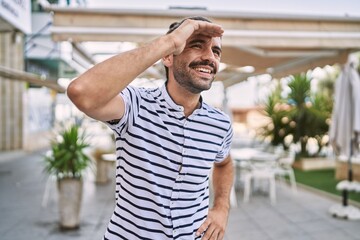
x: 168, y: 60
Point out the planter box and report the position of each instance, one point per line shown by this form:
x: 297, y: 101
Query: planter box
x: 105, y: 161
x: 70, y: 195
x: 341, y: 172
x: 308, y: 164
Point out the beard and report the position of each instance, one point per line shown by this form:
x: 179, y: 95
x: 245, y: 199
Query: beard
x: 185, y: 75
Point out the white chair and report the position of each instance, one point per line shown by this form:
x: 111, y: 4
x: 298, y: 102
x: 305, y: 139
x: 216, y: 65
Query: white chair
x: 242, y: 168
x: 260, y: 172
x: 284, y: 168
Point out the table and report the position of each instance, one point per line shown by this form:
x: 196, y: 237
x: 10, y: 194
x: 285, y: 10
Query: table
x: 251, y: 154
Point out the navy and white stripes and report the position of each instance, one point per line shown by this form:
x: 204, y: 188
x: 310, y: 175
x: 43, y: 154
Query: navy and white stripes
x: 163, y: 165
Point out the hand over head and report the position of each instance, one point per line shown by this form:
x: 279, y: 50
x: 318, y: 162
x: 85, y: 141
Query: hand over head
x: 182, y: 31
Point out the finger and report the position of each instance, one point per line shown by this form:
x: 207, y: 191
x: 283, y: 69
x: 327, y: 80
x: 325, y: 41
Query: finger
x: 210, y: 29
x: 216, y: 29
x: 203, y: 227
x: 221, y: 235
x: 215, y: 235
x: 203, y: 26
x: 210, y: 233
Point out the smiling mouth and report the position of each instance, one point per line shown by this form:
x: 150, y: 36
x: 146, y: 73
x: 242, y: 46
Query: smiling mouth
x: 203, y: 70
x: 205, y: 66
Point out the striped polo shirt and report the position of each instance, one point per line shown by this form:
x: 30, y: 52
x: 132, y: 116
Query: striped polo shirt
x: 163, y: 165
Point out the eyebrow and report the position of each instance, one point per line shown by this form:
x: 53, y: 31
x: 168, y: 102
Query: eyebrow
x: 203, y: 41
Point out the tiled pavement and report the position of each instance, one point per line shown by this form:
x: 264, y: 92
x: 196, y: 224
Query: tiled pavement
x: 23, y: 214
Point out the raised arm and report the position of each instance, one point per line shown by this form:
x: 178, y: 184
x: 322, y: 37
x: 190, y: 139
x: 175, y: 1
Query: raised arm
x: 96, y: 92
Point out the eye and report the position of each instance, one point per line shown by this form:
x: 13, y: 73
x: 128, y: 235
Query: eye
x: 197, y: 46
x: 217, y: 52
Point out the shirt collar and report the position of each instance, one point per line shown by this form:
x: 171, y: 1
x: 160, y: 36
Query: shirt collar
x: 169, y: 100
x: 175, y: 106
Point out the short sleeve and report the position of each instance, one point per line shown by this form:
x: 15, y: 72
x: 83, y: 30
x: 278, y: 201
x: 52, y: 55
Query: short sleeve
x: 131, y: 97
x: 225, y: 146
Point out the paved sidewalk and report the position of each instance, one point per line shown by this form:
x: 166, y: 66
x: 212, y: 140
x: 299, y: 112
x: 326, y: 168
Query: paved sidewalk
x: 22, y: 185
x: 303, y: 216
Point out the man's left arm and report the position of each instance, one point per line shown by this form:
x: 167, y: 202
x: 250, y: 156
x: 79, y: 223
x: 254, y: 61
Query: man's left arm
x: 216, y: 221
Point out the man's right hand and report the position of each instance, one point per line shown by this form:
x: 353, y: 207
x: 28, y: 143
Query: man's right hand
x: 189, y: 27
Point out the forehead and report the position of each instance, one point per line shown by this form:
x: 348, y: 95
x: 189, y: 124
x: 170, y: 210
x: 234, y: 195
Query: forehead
x: 215, y: 41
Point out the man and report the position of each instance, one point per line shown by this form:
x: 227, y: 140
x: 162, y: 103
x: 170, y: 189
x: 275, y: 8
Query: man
x: 167, y: 139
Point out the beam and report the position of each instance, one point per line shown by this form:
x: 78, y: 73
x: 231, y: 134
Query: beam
x: 256, y: 38
x: 90, y: 17
x: 236, y: 78
x: 241, y: 29
x: 17, y: 75
x: 304, y: 64
x: 82, y: 52
x: 286, y: 53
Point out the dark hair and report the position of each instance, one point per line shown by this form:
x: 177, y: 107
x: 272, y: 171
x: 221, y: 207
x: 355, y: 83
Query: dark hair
x: 175, y: 25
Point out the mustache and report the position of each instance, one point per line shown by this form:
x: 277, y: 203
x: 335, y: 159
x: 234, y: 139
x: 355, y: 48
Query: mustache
x: 204, y: 63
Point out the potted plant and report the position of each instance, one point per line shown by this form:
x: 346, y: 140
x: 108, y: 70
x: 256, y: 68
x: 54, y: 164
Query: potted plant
x: 67, y: 161
x: 301, y: 115
x: 312, y: 110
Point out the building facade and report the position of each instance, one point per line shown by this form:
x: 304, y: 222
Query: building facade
x: 14, y: 24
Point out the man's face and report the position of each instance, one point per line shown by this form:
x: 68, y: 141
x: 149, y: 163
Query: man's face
x: 195, y: 68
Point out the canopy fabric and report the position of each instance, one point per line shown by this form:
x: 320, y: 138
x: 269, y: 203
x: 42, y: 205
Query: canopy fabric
x: 345, y: 124
x: 279, y: 44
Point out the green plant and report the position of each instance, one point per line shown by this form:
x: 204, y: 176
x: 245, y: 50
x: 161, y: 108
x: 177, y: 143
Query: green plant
x: 318, y: 120
x: 300, y: 86
x: 301, y: 115
x: 277, y: 112
x: 67, y: 157
x: 311, y: 111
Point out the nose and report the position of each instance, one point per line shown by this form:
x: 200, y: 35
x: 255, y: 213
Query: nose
x: 209, y: 57
x: 208, y: 54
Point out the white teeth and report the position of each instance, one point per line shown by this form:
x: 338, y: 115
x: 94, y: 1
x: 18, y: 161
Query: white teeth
x: 203, y: 70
